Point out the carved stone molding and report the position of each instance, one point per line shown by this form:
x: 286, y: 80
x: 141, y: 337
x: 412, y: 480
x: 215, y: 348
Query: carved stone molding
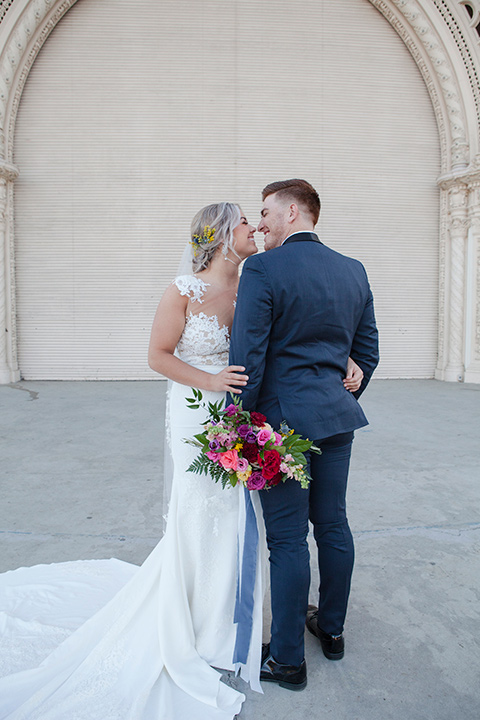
x: 468, y: 176
x: 463, y: 45
x: 8, y: 171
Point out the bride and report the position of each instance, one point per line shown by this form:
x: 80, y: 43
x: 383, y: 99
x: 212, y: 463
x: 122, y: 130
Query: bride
x: 142, y: 643
x: 106, y: 640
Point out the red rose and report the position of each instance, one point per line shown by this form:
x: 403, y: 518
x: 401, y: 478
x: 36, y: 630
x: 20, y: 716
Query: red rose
x: 250, y: 452
x: 258, y: 419
x: 275, y: 480
x: 270, y: 463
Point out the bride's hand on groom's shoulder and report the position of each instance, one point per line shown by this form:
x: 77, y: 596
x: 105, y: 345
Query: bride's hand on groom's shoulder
x: 354, y: 376
x: 230, y: 379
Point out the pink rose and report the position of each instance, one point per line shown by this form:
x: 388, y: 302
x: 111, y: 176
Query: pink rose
x: 229, y: 459
x: 264, y: 436
x: 278, y: 438
x: 215, y: 457
x: 256, y: 481
x: 242, y: 465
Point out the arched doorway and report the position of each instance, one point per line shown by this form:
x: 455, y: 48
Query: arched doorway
x: 135, y: 115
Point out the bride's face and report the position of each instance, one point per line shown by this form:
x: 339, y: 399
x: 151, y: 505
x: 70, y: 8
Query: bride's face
x: 243, y: 241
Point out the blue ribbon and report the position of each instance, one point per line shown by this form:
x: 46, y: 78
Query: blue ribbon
x: 243, y: 615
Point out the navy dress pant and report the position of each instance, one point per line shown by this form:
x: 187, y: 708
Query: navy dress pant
x: 287, y: 509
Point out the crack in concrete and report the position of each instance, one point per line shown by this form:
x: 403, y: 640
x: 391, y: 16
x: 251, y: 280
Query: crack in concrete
x: 454, y: 531
x: 16, y: 386
x: 12, y: 534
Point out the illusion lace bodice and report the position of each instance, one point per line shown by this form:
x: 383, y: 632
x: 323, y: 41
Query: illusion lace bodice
x: 203, y: 341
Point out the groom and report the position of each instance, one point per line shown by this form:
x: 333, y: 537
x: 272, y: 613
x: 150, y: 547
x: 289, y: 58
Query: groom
x: 302, y: 310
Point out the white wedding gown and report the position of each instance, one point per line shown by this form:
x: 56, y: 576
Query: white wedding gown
x: 107, y: 640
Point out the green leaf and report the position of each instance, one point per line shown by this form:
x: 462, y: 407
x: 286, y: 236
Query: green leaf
x: 290, y: 440
x: 194, y: 443
x: 302, y: 445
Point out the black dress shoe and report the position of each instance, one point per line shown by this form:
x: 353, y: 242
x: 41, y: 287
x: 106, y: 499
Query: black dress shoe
x: 333, y: 646
x: 291, y: 677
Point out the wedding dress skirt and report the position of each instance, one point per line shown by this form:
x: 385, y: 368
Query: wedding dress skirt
x: 107, y: 640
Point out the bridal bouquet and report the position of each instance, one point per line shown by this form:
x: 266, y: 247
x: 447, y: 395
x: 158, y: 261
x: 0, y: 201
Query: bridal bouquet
x: 240, y: 446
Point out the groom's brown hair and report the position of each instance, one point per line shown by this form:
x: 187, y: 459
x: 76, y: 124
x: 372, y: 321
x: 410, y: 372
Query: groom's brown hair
x: 300, y: 191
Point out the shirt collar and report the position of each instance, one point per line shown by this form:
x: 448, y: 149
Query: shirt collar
x: 296, y: 233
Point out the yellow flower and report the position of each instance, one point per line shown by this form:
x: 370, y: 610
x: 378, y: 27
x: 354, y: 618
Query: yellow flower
x: 243, y: 477
x: 205, y: 239
x: 239, y: 446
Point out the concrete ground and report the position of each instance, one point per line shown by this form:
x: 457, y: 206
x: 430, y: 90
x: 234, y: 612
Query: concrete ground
x: 81, y: 477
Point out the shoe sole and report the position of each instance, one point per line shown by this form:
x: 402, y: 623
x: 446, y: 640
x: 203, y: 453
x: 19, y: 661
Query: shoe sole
x: 287, y: 686
x: 333, y: 656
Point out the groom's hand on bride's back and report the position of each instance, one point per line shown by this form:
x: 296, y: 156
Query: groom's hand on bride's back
x: 230, y: 379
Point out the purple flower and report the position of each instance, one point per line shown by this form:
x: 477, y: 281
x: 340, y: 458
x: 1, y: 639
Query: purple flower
x: 251, y: 437
x: 256, y: 481
x: 231, y: 410
x: 242, y: 465
x: 214, y: 445
x: 243, y: 430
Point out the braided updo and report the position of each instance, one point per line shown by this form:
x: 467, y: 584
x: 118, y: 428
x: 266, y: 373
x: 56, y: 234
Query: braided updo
x: 223, y: 218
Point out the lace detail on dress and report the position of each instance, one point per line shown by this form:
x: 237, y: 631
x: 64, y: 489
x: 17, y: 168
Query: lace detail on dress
x: 192, y: 286
x: 203, y: 341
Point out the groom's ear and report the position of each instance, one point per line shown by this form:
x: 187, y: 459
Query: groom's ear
x: 293, y: 212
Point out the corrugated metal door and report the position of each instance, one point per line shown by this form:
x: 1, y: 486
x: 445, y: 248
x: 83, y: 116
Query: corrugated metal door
x: 136, y: 114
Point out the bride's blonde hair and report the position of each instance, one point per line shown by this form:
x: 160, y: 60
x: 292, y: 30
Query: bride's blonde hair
x: 221, y: 218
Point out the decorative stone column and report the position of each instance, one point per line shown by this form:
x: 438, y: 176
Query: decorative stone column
x: 451, y: 366
x: 8, y: 365
x: 472, y: 360
x: 459, y: 326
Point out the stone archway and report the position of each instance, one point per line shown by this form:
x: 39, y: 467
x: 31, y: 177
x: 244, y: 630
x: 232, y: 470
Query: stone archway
x: 447, y: 61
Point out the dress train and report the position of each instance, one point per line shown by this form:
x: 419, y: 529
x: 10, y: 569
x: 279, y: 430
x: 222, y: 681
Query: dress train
x: 106, y: 640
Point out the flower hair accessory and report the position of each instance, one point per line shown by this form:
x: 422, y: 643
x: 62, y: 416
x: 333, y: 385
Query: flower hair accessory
x: 201, y: 241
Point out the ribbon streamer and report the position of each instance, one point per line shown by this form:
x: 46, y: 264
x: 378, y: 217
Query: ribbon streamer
x: 247, y: 569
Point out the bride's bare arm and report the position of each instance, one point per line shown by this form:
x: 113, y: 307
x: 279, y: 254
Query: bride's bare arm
x: 168, y: 325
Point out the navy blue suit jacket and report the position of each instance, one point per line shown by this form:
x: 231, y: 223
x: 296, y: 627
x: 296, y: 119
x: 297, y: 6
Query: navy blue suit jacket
x: 302, y: 309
